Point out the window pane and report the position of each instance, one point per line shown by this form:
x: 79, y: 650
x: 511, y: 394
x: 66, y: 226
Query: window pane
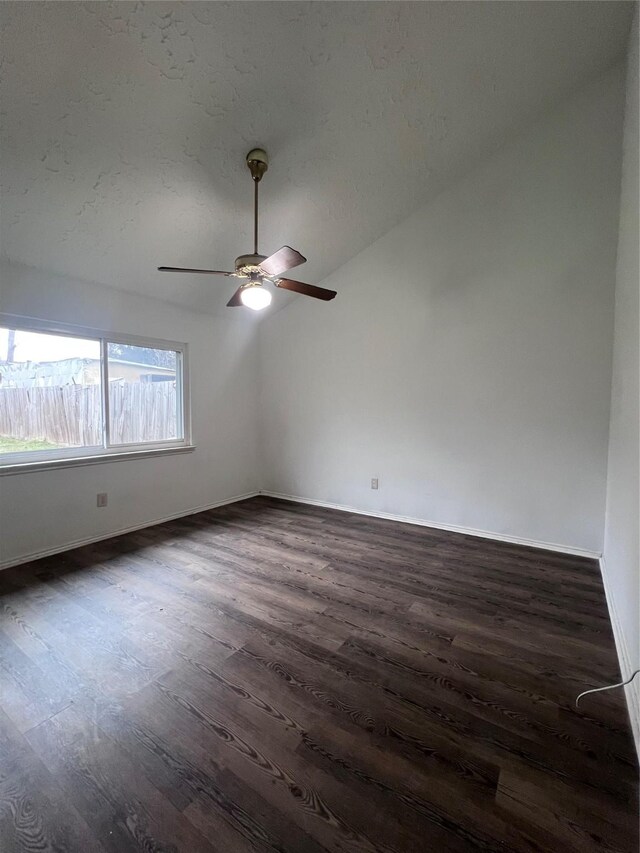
x: 144, y: 394
x: 50, y: 392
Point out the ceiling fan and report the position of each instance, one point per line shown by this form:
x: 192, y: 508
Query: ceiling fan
x: 258, y: 269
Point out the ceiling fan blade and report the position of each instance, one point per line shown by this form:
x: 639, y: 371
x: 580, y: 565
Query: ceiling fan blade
x: 284, y: 259
x: 306, y: 289
x: 182, y: 269
x: 235, y: 301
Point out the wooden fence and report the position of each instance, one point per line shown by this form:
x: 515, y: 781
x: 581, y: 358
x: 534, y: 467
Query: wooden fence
x: 70, y: 416
x: 142, y: 411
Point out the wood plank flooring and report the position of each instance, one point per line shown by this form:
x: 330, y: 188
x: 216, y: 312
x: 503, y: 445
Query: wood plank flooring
x: 274, y: 677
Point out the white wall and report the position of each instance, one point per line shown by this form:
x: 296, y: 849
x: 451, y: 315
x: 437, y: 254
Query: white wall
x: 621, y: 567
x: 466, y: 360
x: 52, y: 509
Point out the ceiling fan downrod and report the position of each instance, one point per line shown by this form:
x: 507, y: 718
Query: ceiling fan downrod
x: 258, y: 164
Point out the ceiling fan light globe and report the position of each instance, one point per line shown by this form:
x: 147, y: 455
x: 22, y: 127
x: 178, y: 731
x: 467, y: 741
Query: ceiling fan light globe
x: 255, y: 297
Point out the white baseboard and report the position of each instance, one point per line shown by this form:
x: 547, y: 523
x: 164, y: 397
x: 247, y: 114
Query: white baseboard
x: 453, y: 528
x: 469, y: 531
x: 78, y: 543
x: 627, y: 665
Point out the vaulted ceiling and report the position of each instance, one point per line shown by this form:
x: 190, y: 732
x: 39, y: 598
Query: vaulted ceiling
x: 126, y: 124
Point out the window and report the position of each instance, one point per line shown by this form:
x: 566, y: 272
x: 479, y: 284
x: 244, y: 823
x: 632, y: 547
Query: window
x: 144, y: 398
x: 66, y: 395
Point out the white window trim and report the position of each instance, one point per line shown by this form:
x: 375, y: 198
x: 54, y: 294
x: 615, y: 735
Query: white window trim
x: 13, y: 463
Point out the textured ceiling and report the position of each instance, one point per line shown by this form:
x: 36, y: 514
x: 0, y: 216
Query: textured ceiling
x: 126, y: 124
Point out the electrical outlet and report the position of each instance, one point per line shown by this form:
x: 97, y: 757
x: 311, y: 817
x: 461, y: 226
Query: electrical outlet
x: 101, y: 499
x: 374, y: 482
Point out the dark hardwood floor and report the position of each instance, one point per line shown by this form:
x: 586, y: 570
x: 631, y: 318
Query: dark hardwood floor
x: 274, y: 677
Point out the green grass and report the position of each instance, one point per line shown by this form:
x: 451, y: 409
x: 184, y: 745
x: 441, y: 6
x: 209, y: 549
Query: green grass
x: 20, y: 445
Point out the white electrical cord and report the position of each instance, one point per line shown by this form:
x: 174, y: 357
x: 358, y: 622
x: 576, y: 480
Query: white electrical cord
x: 610, y: 687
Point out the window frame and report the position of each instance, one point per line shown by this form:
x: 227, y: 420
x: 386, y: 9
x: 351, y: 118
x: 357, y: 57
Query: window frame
x: 60, y: 457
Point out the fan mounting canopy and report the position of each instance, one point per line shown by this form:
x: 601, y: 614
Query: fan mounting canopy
x: 258, y: 163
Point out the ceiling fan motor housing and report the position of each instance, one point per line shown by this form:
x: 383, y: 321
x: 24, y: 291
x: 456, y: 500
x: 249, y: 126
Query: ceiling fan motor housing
x: 247, y: 264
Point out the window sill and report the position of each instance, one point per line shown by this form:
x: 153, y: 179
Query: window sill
x: 75, y: 461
